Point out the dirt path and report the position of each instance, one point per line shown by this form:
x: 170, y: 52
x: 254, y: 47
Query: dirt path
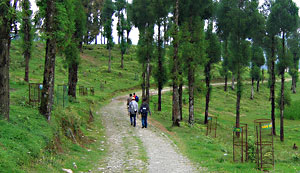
x: 136, y: 149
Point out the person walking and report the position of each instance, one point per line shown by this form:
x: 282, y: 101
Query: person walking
x: 133, y: 107
x: 144, y: 109
x: 129, y: 100
x: 136, y: 97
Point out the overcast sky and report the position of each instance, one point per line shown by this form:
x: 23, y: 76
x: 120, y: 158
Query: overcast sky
x: 134, y: 34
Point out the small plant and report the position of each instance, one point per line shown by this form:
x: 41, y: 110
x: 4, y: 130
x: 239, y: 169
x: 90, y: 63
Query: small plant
x: 296, y: 157
x: 251, y: 149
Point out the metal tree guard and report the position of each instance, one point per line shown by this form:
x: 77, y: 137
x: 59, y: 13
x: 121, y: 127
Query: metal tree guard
x: 264, y: 144
x: 211, y: 126
x: 62, y: 95
x: 240, y: 143
x: 35, y: 93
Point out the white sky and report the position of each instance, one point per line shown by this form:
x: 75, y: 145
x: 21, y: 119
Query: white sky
x: 134, y: 34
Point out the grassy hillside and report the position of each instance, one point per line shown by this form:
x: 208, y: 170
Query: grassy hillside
x: 29, y: 143
x: 216, y: 153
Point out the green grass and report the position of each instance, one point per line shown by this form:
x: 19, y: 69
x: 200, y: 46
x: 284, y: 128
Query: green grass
x: 28, y: 143
x: 216, y: 153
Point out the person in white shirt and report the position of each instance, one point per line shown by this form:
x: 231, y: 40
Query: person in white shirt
x: 133, y: 108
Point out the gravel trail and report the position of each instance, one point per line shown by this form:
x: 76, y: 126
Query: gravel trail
x: 136, y: 149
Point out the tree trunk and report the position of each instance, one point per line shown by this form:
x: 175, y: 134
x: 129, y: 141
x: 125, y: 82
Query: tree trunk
x: 175, y: 102
x: 282, y: 92
x: 148, y: 82
x: 73, y: 78
x: 49, y: 69
x: 294, y: 85
x: 160, y: 65
x: 127, y: 35
x: 4, y: 72
x: 165, y: 32
x: 252, y: 89
x: 226, y: 79
x: 191, y: 79
x: 272, y: 88
x: 27, y: 57
x: 101, y: 36
x: 263, y: 76
x: 5, y: 29
x: 282, y: 108
x: 15, y: 22
x: 208, y: 89
x: 122, y: 60
x: 180, y: 92
x: 232, y: 82
x: 238, y: 98
x: 27, y: 39
x: 143, y: 82
x: 109, y: 60
x: 257, y: 86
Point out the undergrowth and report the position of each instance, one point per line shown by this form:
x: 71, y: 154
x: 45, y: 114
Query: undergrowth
x: 75, y: 134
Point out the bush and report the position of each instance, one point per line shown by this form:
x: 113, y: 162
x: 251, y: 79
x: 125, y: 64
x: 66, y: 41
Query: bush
x: 292, y: 112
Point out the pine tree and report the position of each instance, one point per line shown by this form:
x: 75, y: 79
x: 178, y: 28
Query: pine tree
x: 161, y: 9
x: 72, y: 50
x: 240, y: 16
x: 191, y: 16
x: 107, y: 13
x: 59, y: 28
x: 294, y: 46
x: 143, y: 18
x: 27, y: 35
x: 175, y: 74
x: 257, y: 60
x: 214, y: 55
x: 283, y: 19
x: 223, y: 30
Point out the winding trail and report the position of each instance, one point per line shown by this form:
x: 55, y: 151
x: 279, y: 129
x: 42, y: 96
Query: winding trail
x: 133, y: 149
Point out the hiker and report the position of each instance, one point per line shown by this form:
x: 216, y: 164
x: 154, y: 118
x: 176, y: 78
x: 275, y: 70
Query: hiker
x: 144, y: 109
x: 133, y: 107
x: 136, y: 97
x: 129, y: 100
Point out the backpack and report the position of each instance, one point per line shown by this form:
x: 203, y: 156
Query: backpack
x: 136, y: 98
x: 144, y: 110
x: 131, y: 108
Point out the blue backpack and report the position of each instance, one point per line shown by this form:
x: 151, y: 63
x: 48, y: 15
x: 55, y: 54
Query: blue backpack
x: 136, y: 98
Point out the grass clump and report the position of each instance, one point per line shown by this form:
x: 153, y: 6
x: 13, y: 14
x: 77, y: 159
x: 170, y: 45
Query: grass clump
x: 292, y: 112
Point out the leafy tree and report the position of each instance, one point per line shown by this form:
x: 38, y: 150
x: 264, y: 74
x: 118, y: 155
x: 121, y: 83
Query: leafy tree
x: 72, y: 50
x: 26, y: 35
x: 191, y: 16
x: 257, y: 60
x: 240, y: 16
x: 7, y: 17
x: 214, y: 55
x: 59, y: 28
x: 283, y: 19
x: 107, y: 13
x: 124, y: 44
x: 93, y: 10
x: 223, y: 30
x: 120, y: 6
x: 143, y: 18
x: 294, y: 46
x: 175, y: 70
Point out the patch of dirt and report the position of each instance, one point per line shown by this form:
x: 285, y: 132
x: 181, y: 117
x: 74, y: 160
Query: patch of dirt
x: 88, y: 58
